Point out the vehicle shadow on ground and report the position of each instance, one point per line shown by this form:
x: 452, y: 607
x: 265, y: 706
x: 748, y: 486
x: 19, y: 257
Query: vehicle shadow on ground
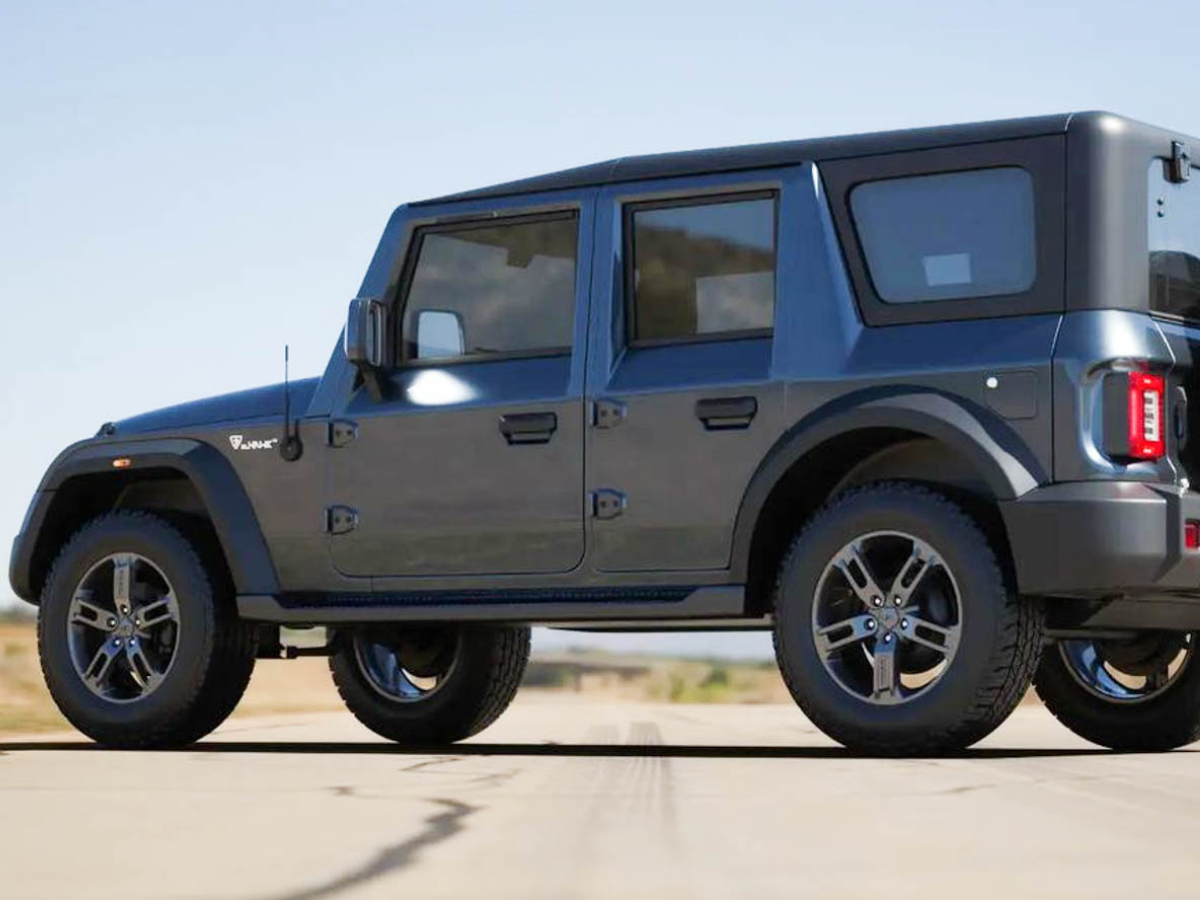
x: 668, y: 751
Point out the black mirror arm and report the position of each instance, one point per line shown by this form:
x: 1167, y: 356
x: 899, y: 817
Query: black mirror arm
x: 377, y: 385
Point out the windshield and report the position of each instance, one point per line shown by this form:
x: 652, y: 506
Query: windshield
x: 1174, y: 215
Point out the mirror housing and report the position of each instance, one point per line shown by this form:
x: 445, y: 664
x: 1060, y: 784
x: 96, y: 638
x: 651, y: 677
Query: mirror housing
x: 365, y: 339
x: 439, y: 334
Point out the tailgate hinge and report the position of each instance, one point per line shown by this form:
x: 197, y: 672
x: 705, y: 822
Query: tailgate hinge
x: 340, y: 519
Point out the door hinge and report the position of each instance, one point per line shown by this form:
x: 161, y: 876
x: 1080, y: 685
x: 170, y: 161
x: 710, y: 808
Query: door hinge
x: 342, y: 432
x: 340, y: 519
x: 608, y: 504
x: 1181, y: 162
x: 608, y: 413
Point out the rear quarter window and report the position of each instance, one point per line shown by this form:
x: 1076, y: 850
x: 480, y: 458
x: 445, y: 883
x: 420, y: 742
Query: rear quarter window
x: 953, y: 235
x: 1174, y: 217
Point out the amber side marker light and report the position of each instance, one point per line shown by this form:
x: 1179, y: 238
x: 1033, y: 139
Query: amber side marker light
x: 123, y: 463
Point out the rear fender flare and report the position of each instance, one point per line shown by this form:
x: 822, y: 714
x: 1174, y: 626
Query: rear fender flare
x: 1000, y: 457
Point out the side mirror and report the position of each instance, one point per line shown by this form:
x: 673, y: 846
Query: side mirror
x: 439, y: 334
x: 366, y: 333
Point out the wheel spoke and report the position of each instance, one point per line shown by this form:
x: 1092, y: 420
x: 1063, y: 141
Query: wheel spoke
x: 916, y: 625
x: 405, y: 685
x: 842, y: 634
x: 1158, y: 679
x: 886, y: 673
x: 96, y: 674
x: 920, y: 562
x: 158, y: 612
x: 140, y: 669
x: 84, y: 612
x: 122, y: 582
x: 854, y: 568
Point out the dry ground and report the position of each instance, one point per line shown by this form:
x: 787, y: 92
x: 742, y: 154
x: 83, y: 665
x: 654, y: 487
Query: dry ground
x: 575, y: 798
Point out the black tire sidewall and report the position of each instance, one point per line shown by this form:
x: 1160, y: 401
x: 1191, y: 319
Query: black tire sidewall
x: 175, y: 696
x: 1172, y: 719
x: 943, y: 706
x: 450, y: 713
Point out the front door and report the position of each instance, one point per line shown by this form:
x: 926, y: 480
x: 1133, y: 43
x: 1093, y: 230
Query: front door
x: 472, y: 461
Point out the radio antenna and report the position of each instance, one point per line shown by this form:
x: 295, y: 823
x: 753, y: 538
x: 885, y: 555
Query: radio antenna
x: 290, y: 447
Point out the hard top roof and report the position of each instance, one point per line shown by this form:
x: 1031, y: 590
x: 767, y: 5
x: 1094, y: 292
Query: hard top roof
x: 779, y: 153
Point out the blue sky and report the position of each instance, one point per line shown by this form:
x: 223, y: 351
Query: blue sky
x: 186, y: 187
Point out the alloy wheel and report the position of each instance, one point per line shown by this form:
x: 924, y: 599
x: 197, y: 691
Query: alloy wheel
x: 1128, y: 671
x: 123, y: 628
x: 887, y: 617
x: 407, y: 665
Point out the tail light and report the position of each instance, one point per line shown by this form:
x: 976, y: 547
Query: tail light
x: 1135, y: 415
x: 1146, y: 416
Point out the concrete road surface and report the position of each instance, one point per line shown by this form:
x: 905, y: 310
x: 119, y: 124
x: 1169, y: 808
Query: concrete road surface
x: 566, y: 799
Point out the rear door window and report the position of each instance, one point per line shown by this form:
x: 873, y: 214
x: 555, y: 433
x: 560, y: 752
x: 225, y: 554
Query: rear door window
x: 955, y: 235
x: 1174, y: 217
x: 702, y: 269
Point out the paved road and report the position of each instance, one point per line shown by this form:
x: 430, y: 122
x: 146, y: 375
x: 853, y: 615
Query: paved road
x: 565, y: 799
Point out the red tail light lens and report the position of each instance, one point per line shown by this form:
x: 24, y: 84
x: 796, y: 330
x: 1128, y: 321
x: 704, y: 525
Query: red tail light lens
x: 1191, y: 534
x: 1146, y: 416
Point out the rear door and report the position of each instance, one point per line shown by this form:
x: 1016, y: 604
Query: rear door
x: 683, y: 403
x: 1173, y: 213
x: 473, y: 461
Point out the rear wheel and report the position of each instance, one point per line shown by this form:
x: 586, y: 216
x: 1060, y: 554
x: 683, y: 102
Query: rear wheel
x: 895, y: 628
x: 1139, y: 693
x: 139, y: 645
x: 421, y: 684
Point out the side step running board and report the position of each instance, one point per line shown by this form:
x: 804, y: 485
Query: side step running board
x: 542, y: 606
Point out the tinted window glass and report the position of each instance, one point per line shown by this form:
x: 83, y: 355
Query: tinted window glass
x: 1174, y: 244
x: 703, y: 270
x: 951, y: 236
x: 478, y: 291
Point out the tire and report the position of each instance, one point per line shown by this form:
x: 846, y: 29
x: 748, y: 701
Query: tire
x: 1162, y: 721
x: 213, y: 652
x: 989, y: 638
x: 476, y: 681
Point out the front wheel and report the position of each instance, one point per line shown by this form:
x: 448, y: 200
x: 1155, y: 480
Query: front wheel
x: 429, y: 684
x: 895, y: 628
x: 1137, y: 693
x: 139, y: 641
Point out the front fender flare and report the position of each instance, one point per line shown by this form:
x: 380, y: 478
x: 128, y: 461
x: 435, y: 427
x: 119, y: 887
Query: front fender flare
x: 210, y: 473
x: 1001, y: 458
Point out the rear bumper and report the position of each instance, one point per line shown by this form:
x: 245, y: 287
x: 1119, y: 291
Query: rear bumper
x: 1103, y: 538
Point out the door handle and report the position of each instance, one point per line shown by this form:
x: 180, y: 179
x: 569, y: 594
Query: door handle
x: 724, y: 413
x: 528, y: 428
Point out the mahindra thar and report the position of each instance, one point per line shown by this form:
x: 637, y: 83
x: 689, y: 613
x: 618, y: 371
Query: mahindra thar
x: 918, y: 402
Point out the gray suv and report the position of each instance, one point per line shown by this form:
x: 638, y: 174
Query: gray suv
x: 917, y: 401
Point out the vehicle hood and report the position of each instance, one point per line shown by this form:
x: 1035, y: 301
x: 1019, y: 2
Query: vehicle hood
x: 240, y: 406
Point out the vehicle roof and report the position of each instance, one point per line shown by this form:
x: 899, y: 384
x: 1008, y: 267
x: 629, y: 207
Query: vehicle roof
x: 779, y: 153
